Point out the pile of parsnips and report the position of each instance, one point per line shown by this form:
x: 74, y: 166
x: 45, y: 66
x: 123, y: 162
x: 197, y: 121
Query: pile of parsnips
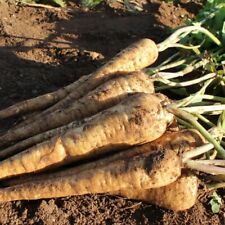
x: 113, y: 122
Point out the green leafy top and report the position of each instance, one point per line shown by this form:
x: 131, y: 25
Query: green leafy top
x: 212, y: 17
x: 90, y: 3
x: 215, y: 202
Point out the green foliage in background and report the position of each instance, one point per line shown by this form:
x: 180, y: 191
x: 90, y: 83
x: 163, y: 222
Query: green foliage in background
x: 215, y: 202
x: 90, y: 3
x: 212, y: 17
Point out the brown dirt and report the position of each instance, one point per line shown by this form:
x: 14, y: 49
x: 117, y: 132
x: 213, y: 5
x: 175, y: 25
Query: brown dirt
x: 44, y: 49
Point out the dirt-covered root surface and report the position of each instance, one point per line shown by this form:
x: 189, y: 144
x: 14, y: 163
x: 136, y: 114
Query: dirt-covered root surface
x: 44, y: 49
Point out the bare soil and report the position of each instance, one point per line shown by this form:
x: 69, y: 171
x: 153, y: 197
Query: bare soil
x: 44, y: 49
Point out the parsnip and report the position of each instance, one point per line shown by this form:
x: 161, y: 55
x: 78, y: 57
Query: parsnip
x: 29, y: 142
x: 179, y: 142
x: 104, y: 96
x: 181, y: 194
x: 138, y: 119
x: 178, y: 196
x: 144, y: 170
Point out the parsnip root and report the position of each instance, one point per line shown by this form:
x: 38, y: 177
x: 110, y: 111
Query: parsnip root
x: 138, y: 119
x: 147, y: 170
x: 178, y: 196
x: 104, y: 96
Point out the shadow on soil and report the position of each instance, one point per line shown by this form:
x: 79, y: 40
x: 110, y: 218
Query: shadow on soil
x: 79, y: 42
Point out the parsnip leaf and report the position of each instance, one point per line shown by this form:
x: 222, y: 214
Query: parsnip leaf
x: 215, y: 202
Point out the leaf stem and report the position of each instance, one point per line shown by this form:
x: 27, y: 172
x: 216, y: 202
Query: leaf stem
x: 159, y: 68
x: 211, y: 187
x: 205, y: 120
x: 215, y: 162
x: 181, y: 73
x: 190, y: 118
x: 197, y: 151
x: 184, y: 123
x: 196, y: 97
x: 183, y: 32
x: 183, y: 84
x: 211, y: 169
x: 214, y: 98
x: 204, y: 109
